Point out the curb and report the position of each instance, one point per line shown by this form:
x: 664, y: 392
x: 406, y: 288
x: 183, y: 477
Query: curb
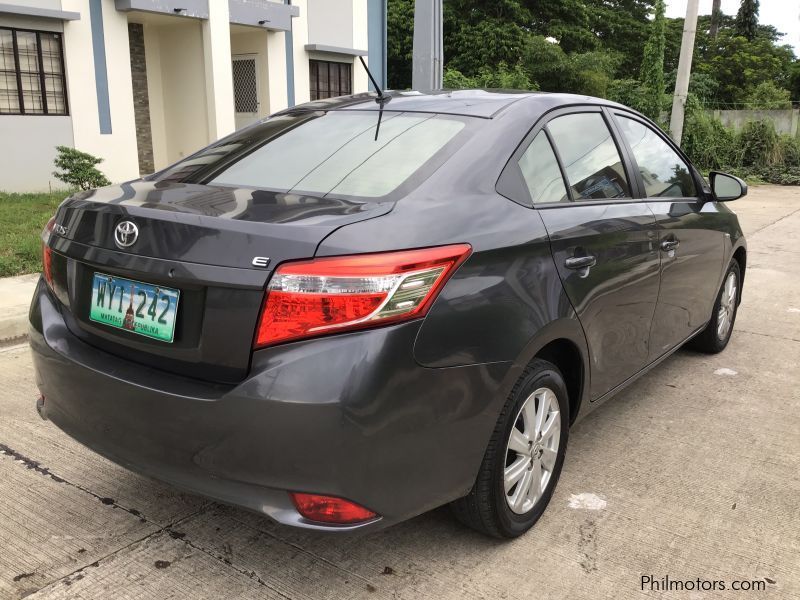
x: 15, y: 299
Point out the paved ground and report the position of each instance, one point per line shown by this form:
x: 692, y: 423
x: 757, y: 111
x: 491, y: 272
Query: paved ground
x: 692, y: 472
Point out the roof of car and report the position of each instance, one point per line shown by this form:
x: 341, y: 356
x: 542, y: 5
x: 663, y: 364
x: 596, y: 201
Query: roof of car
x: 473, y: 103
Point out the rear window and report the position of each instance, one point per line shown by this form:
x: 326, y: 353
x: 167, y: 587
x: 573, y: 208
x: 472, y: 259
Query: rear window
x: 342, y: 153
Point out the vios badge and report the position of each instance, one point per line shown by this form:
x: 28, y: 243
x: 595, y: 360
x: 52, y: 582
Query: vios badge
x: 126, y: 234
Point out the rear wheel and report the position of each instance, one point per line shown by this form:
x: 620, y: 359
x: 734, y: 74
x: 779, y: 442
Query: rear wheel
x: 524, y: 458
x: 715, y: 337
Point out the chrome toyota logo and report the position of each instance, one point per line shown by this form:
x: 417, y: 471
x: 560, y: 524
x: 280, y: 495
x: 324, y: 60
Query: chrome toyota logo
x: 126, y: 234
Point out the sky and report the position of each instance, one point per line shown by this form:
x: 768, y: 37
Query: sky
x: 782, y: 14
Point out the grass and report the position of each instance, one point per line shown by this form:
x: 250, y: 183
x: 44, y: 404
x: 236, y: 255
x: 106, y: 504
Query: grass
x: 22, y: 218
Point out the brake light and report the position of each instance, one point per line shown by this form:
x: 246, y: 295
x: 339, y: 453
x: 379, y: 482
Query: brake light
x: 47, y: 264
x: 326, y: 295
x: 329, y: 509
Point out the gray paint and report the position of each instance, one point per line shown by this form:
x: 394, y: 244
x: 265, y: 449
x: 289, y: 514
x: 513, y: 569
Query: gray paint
x: 376, y: 28
x: 29, y: 167
x: 100, y: 68
x: 197, y: 9
x: 290, y: 100
x: 335, y: 50
x: 266, y: 15
x: 35, y: 11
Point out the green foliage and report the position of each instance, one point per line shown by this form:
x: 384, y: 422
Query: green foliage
x: 766, y: 95
x: 22, y: 218
x: 758, y: 152
x: 503, y: 77
x: 78, y: 169
x: 706, y: 140
x: 652, y: 72
x: 760, y: 144
x: 629, y: 92
x: 747, y: 19
x: 399, y: 43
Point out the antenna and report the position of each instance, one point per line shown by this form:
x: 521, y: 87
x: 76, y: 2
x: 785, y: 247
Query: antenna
x: 372, y: 79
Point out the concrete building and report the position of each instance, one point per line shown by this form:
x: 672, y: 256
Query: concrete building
x: 143, y: 83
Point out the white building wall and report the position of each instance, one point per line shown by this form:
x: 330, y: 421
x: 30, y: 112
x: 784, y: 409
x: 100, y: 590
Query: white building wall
x: 117, y: 149
x: 183, y: 85
x: 29, y: 167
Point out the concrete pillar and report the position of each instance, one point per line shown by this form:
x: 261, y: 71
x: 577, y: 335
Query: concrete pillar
x: 427, y: 56
x: 277, y: 80
x: 361, y: 42
x: 795, y: 119
x: 302, y: 91
x: 219, y: 70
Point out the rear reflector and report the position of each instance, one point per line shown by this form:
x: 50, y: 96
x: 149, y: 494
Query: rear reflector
x: 327, y: 295
x: 329, y: 509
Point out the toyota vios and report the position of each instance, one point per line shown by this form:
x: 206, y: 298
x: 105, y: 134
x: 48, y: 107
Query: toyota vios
x: 356, y: 311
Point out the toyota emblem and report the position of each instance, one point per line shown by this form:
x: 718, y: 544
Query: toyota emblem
x: 126, y: 234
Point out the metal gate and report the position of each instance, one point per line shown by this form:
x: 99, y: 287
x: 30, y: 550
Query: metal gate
x: 245, y: 90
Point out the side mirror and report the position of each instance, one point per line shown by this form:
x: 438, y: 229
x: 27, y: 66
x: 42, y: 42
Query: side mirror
x: 726, y: 187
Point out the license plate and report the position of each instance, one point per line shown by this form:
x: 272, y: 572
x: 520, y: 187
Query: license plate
x: 135, y: 306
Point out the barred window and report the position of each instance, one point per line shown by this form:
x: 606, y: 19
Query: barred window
x: 330, y: 79
x: 31, y: 73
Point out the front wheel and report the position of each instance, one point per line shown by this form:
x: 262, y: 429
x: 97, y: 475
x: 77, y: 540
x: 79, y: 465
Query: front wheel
x: 715, y: 337
x: 524, y: 458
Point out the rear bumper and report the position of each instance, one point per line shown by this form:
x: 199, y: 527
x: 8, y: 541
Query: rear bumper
x: 351, y: 416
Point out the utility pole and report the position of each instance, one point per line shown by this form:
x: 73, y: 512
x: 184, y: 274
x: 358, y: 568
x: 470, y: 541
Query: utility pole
x: 684, y: 71
x: 426, y: 72
x: 716, y: 16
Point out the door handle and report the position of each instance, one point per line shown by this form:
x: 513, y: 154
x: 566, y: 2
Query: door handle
x: 580, y: 262
x: 670, y: 245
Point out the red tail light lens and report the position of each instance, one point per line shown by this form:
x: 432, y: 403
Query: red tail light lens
x: 47, y: 264
x: 329, y: 509
x: 325, y: 295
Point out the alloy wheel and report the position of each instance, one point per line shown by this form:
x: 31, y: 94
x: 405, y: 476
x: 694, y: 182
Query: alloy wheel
x: 532, y: 450
x: 727, y: 306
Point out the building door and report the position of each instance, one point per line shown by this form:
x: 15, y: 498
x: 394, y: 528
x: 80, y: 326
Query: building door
x: 245, y: 89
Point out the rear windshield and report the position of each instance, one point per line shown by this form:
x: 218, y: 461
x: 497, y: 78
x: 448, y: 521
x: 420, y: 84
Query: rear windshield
x: 343, y: 153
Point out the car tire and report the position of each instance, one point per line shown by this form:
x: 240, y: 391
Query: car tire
x: 504, y: 510
x: 715, y: 337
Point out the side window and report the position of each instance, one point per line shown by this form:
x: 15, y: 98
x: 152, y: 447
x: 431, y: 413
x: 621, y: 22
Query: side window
x: 590, y: 157
x: 663, y: 170
x: 541, y: 172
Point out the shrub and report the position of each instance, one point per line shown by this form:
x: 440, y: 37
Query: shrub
x: 760, y: 144
x: 78, y: 169
x: 707, y: 141
x: 767, y: 95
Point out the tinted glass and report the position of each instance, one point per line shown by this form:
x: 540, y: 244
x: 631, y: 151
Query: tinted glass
x: 663, y: 170
x: 327, y: 153
x: 590, y: 157
x: 541, y: 172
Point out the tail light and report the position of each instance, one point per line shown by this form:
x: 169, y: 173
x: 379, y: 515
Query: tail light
x: 326, y: 295
x: 47, y: 264
x: 47, y: 252
x: 329, y: 509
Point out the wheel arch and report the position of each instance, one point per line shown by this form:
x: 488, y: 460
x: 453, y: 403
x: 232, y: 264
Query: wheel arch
x: 562, y: 342
x: 740, y: 256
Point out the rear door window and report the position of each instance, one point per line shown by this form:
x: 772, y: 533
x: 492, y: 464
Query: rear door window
x: 590, y: 157
x: 664, y: 172
x: 541, y: 172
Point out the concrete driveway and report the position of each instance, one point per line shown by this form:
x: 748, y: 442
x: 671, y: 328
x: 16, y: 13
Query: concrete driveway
x: 693, y: 472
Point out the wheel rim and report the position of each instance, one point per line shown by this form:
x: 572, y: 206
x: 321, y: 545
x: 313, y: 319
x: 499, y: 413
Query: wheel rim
x: 727, y: 306
x: 532, y: 450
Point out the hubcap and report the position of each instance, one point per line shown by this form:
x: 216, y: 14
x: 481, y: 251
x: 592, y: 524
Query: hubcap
x: 727, y: 306
x: 532, y: 450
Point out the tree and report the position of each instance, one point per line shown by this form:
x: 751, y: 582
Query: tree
x: 78, y: 169
x: 716, y: 17
x: 747, y: 19
x: 652, y: 72
x: 399, y: 43
x: 767, y: 95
